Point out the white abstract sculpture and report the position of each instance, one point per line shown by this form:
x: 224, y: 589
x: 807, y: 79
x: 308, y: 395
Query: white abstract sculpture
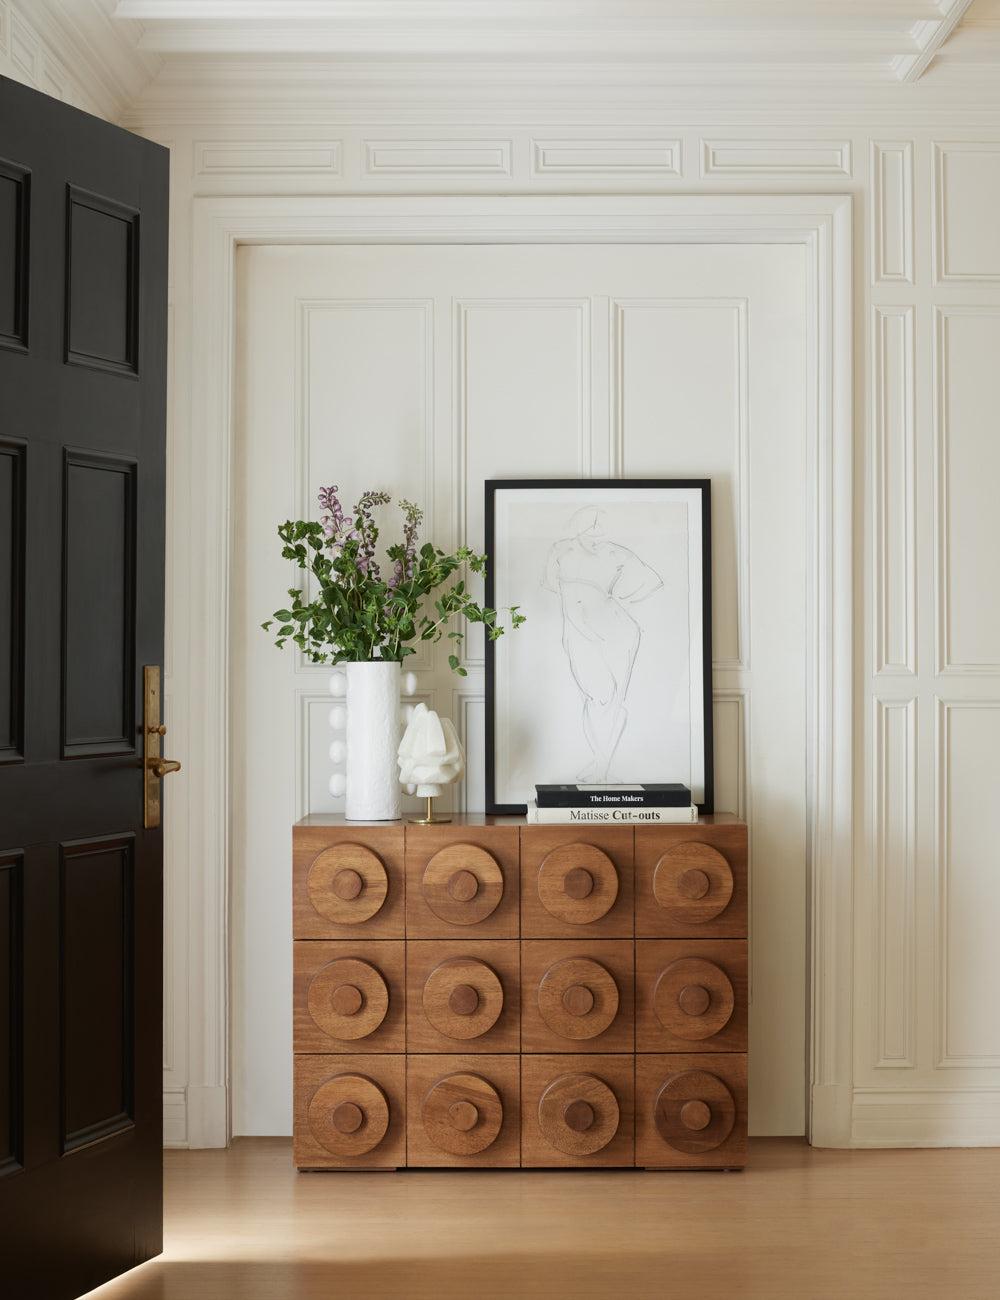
x: 430, y: 756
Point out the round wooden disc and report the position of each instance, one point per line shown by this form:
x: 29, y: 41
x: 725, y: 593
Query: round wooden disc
x: 463, y: 1114
x: 449, y: 989
x: 348, y: 998
x: 563, y: 1114
x: 347, y: 884
x: 693, y: 882
x: 577, y: 883
x: 685, y: 986
x: 563, y: 998
x: 462, y: 884
x: 349, y: 1115
x: 695, y: 1112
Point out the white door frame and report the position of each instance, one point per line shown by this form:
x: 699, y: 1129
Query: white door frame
x: 203, y: 449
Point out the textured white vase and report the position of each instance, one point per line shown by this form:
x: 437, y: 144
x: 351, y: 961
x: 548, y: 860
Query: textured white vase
x: 373, y: 728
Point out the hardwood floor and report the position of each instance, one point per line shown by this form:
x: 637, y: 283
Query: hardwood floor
x: 798, y: 1224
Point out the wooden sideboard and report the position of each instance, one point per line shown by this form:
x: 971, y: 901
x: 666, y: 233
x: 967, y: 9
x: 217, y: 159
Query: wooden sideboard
x: 488, y: 993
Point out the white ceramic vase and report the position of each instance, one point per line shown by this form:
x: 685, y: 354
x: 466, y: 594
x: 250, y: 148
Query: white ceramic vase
x: 373, y: 728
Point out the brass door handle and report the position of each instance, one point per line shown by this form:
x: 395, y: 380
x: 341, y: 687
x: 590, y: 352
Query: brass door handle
x: 154, y: 768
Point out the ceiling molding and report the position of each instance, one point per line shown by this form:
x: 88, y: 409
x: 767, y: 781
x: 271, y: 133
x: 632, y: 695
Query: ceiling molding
x: 929, y: 36
x: 99, y: 54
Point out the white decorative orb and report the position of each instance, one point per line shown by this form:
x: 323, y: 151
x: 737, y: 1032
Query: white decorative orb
x: 338, y: 784
x: 411, y: 788
x: 409, y: 683
x: 338, y: 685
x: 338, y: 717
x: 406, y: 713
x: 338, y: 751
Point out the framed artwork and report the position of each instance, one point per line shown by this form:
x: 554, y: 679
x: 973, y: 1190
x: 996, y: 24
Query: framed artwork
x: 610, y: 678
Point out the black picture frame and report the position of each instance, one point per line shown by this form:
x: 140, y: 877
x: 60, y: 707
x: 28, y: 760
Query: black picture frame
x: 701, y: 485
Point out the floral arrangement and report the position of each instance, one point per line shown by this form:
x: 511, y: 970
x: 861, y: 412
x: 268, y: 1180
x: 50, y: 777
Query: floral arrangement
x: 357, y: 615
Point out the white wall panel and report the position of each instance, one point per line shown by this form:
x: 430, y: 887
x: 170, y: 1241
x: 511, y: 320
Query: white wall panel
x: 968, y: 469
x: 892, y: 202
x: 968, y: 826
x: 679, y: 408
x: 895, y: 883
x: 894, y: 489
x: 967, y: 200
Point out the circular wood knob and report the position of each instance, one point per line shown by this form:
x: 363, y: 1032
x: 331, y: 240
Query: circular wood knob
x: 694, y: 998
x: 347, y: 884
x: 695, y: 1115
x: 579, y: 1114
x: 695, y: 1112
x: 577, y: 883
x: 462, y: 884
x: 463, y: 997
x: 578, y: 998
x: 693, y: 882
x: 349, y: 1115
x: 462, y: 1114
x: 348, y: 998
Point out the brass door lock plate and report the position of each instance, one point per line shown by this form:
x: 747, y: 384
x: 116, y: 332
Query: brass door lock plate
x: 154, y: 766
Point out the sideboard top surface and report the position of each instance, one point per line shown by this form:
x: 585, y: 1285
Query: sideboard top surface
x: 486, y: 819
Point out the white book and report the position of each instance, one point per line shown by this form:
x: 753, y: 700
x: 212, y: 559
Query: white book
x: 610, y: 816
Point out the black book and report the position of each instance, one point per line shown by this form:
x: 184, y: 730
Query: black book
x: 631, y: 795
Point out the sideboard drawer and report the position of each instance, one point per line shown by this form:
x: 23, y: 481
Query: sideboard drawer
x: 577, y: 1110
x: 576, y: 881
x: 577, y: 996
x: 349, y: 996
x: 691, y: 995
x: 350, y: 1112
x: 692, y: 1112
x: 462, y: 882
x: 463, y: 1110
x: 348, y: 884
x: 691, y: 880
x: 462, y: 995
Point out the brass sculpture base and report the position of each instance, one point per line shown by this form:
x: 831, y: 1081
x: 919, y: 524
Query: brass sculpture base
x: 431, y: 818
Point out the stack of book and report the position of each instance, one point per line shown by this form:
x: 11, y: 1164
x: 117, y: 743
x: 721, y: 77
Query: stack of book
x: 637, y: 804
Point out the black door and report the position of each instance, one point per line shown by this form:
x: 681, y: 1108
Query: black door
x: 83, y: 282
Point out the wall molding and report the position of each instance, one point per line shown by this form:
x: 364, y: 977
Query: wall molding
x: 822, y: 225
x: 588, y: 156
x: 892, y: 208
x: 894, y: 585
x: 894, y: 865
x: 447, y: 156
x: 945, y: 665
x: 775, y: 157
x: 288, y: 157
x: 940, y: 152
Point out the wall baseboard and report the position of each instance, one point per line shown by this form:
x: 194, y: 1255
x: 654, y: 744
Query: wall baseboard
x: 175, y: 1117
x: 207, y: 1116
x: 924, y: 1117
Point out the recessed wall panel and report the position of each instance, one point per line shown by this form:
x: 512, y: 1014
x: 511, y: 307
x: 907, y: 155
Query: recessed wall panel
x: 98, y: 606
x: 967, y: 199
x: 969, y: 883
x: 96, y: 989
x: 102, y: 291
x: 968, y: 466
x: 522, y: 369
x: 12, y: 552
x: 680, y: 409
